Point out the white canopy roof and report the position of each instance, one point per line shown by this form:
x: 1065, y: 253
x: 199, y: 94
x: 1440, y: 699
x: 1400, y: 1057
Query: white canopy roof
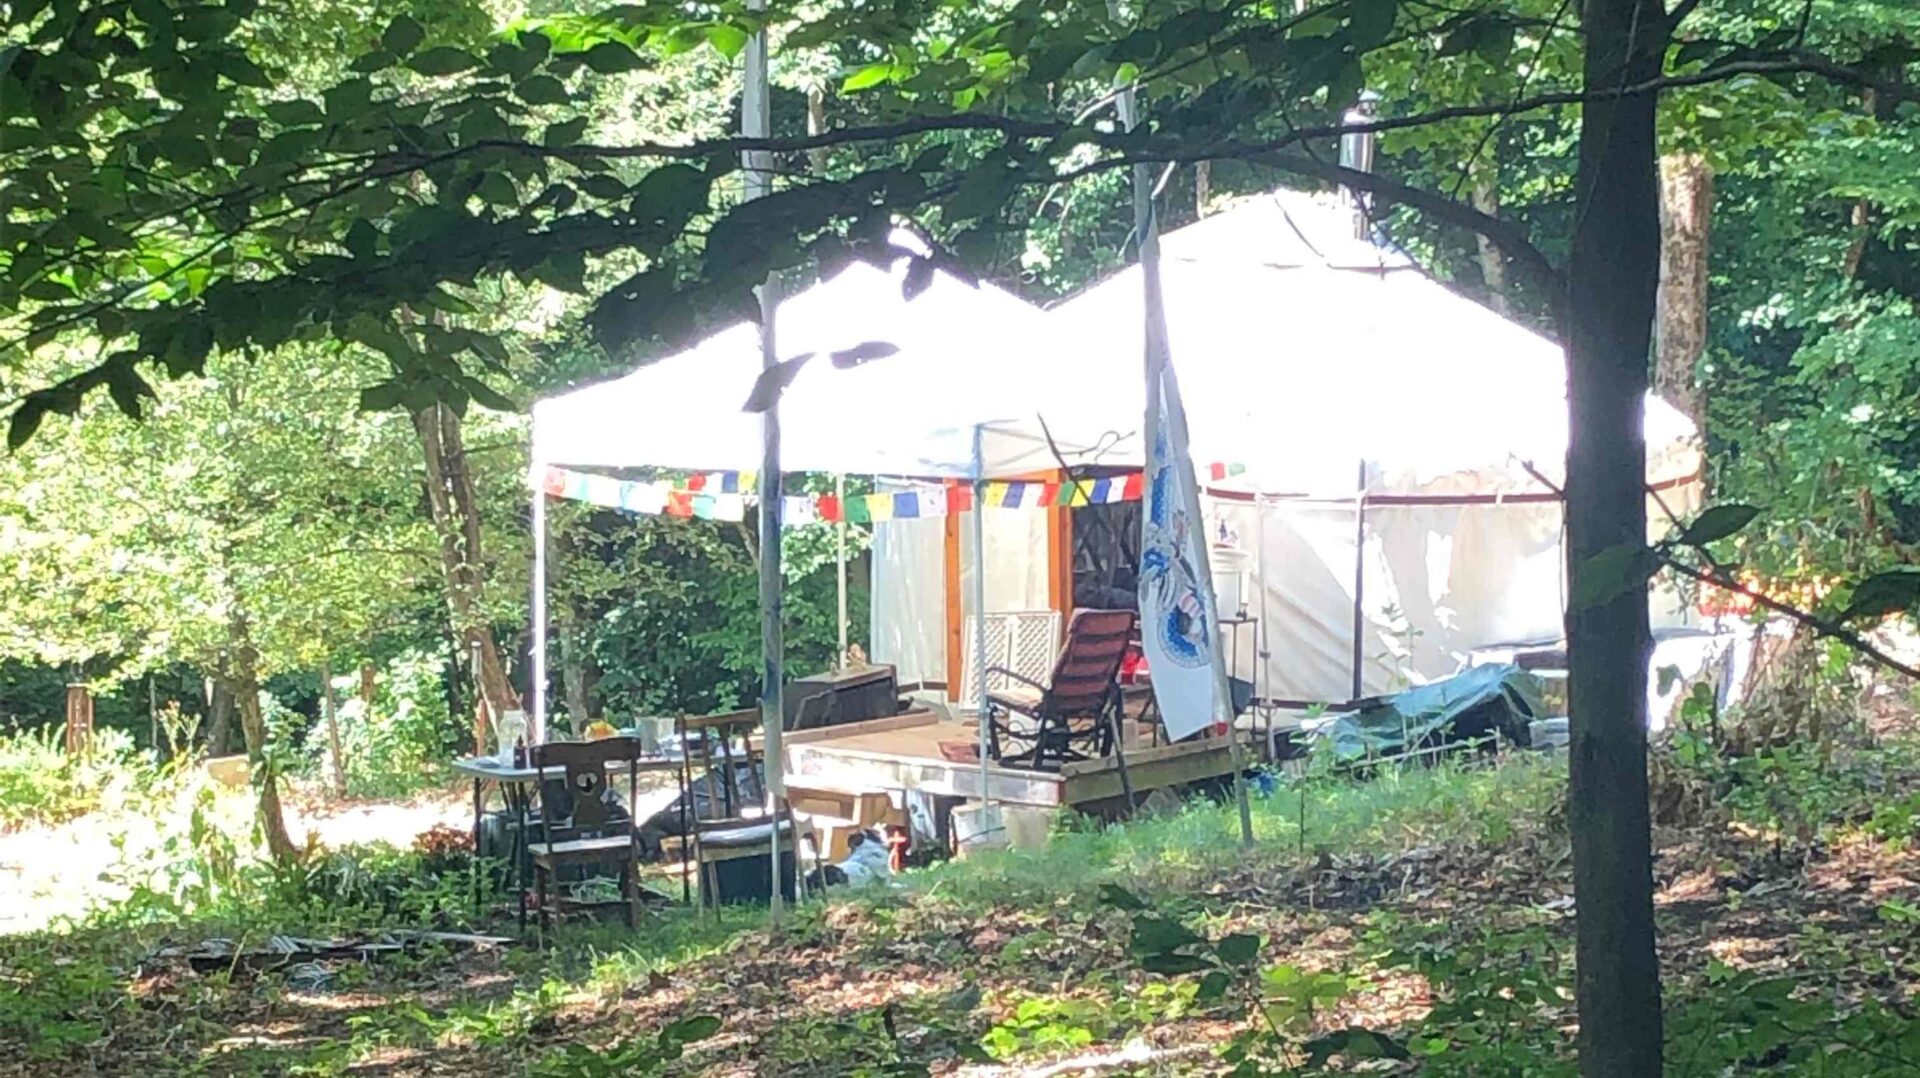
x: 1302, y: 351
x: 968, y: 356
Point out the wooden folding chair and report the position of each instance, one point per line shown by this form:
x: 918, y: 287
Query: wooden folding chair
x: 583, y: 828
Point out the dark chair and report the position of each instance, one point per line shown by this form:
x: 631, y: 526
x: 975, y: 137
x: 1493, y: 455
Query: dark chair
x: 584, y: 825
x: 1075, y: 715
x: 716, y: 828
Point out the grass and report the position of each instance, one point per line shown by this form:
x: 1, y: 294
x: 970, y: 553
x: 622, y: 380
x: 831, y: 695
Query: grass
x: 1427, y: 902
x: 1395, y: 812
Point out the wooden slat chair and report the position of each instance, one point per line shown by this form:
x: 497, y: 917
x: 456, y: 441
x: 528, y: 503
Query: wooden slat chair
x: 585, y: 827
x: 718, y: 828
x: 1073, y: 716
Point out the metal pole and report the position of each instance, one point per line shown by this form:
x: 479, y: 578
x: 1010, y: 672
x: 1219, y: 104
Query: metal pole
x: 539, y: 672
x: 840, y: 559
x: 1164, y: 394
x: 756, y: 122
x: 1359, y: 580
x: 977, y: 598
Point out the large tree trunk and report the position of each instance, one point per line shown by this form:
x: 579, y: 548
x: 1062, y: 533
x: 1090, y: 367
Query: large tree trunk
x: 1611, y: 282
x: 451, y: 499
x: 1493, y: 264
x: 1680, y: 333
x: 244, y: 683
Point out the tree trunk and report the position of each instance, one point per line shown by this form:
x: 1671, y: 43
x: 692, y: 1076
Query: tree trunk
x: 219, y: 719
x: 451, y: 499
x: 335, y: 756
x: 1680, y: 334
x: 1202, y: 187
x: 576, y: 678
x: 817, y: 158
x: 1611, y: 283
x: 369, y: 685
x: 1493, y: 264
x: 244, y: 685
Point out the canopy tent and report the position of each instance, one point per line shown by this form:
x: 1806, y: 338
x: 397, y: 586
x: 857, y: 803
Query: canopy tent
x: 951, y: 398
x: 1383, y: 428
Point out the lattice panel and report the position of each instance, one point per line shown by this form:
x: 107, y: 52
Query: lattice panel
x: 1024, y: 641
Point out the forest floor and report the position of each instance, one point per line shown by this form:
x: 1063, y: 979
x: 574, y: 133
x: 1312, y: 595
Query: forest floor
x: 1434, y: 905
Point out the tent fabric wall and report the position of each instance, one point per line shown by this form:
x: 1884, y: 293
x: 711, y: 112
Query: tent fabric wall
x: 906, y: 611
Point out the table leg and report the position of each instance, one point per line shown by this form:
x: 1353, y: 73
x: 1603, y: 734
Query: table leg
x: 479, y: 817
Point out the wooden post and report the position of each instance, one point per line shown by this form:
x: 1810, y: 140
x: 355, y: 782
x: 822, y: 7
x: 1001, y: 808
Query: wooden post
x: 79, y: 720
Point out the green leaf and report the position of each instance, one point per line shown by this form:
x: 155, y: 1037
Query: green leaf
x: 1354, y: 1043
x: 487, y: 397
x: 1891, y: 592
x: 1239, y: 949
x: 402, y: 35
x: 671, y: 194
x: 241, y: 70
x: 870, y: 75
x: 377, y: 60
x: 361, y: 239
x: 1717, y: 523
x: 497, y: 189
x: 541, y: 90
x: 1112, y: 894
x: 1213, y: 986
x: 1369, y: 22
x: 1608, y: 575
x: 601, y: 185
x: 383, y: 397
x: 564, y: 133
x: 26, y: 420
x: 1161, y: 935
x: 297, y: 113
x: 443, y: 60
x: 1173, y: 964
x: 126, y: 387
x: 695, y: 1028
x: 727, y: 39
x: 611, y: 58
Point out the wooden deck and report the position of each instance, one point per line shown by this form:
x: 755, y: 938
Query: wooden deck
x: 902, y: 752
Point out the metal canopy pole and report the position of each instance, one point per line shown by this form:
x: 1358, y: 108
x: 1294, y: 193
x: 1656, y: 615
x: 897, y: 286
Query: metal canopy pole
x: 756, y: 122
x: 1359, y: 581
x: 977, y: 596
x: 1146, y: 227
x: 840, y: 559
x: 539, y: 672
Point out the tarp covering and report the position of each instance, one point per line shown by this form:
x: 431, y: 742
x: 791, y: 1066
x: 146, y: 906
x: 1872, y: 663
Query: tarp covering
x: 1479, y: 702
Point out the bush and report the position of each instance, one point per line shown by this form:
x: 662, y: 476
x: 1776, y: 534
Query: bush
x: 40, y: 783
x: 400, y: 743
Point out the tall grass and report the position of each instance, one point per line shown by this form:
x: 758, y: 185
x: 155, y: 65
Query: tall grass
x: 41, y: 784
x: 1392, y: 812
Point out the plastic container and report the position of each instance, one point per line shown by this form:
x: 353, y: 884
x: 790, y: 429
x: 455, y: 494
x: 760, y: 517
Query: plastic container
x: 507, y: 732
x: 1229, y: 566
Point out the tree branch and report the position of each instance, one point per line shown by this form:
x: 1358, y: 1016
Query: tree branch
x: 1717, y: 579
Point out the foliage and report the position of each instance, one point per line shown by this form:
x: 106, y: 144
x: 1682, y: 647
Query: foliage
x: 400, y: 741
x: 41, y: 784
x: 631, y: 1057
